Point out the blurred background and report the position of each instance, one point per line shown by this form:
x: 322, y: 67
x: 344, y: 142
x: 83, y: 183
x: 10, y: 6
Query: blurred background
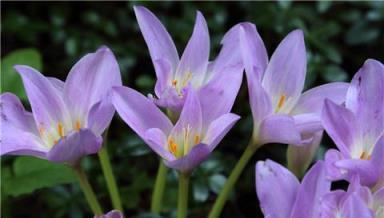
x: 52, y: 36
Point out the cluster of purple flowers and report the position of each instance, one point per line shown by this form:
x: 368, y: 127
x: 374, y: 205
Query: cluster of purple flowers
x: 68, y: 118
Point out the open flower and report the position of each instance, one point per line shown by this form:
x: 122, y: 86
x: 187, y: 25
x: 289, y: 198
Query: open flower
x: 358, y: 128
x: 281, y: 114
x: 193, y: 68
x: 184, y: 145
x: 282, y: 196
x: 357, y: 202
x: 68, y: 118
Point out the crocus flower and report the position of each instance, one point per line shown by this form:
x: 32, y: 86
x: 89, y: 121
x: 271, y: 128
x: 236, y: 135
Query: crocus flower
x: 282, y: 196
x: 281, y: 114
x: 224, y: 75
x: 184, y: 145
x: 358, y: 128
x: 357, y: 202
x: 68, y: 117
x: 111, y: 214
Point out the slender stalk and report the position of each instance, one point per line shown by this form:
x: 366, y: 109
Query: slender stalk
x: 233, y: 177
x: 88, y: 191
x: 182, y: 203
x: 158, y: 191
x: 110, y: 178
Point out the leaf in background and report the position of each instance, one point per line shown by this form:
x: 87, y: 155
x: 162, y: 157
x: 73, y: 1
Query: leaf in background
x: 31, y: 173
x: 216, y: 182
x: 334, y: 73
x: 200, y: 190
x: 11, y: 81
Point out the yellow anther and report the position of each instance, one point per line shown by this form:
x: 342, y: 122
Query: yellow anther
x: 365, y: 156
x: 60, y: 129
x: 197, y: 139
x: 172, y: 146
x: 281, y: 102
x: 174, y: 83
x: 77, y: 125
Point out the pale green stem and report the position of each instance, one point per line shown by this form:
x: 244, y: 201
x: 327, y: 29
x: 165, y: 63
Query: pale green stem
x: 158, y: 191
x: 87, y: 190
x: 110, y: 178
x: 233, y: 177
x: 182, y: 203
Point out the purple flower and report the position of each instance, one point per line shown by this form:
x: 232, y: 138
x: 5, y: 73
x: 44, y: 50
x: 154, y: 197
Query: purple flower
x: 357, y: 202
x: 184, y: 145
x: 111, y: 214
x: 358, y: 128
x: 281, y: 114
x: 221, y: 78
x: 68, y: 118
x: 282, y: 196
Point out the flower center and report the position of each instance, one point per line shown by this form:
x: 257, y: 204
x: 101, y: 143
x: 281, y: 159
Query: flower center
x: 51, y: 136
x: 179, y: 145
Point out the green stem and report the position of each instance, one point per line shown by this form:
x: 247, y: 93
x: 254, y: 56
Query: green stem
x: 182, y: 203
x: 233, y: 177
x: 87, y: 190
x: 110, y: 178
x: 158, y: 191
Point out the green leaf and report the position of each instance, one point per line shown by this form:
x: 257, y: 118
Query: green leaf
x: 334, y: 73
x: 200, y: 191
x: 11, y: 81
x: 216, y: 182
x: 31, y: 173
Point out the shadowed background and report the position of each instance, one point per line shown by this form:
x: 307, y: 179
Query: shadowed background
x: 53, y: 36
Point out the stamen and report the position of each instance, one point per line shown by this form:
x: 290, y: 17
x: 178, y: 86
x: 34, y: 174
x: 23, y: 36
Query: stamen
x: 365, y: 156
x: 60, y: 129
x: 41, y: 131
x: 187, y: 78
x: 172, y: 146
x: 174, y: 83
x: 281, y: 102
x: 77, y: 125
x: 197, y: 139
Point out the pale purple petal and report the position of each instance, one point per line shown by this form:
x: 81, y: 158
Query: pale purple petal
x: 157, y: 140
x: 74, y: 146
x: 111, y: 214
x: 99, y: 116
x: 219, y: 128
x: 47, y: 103
x: 158, y: 40
x: 308, y: 123
x: 195, y: 57
x: 378, y: 203
x: 331, y: 157
x: 187, y: 163
x: 260, y: 102
x: 253, y: 51
x: 276, y: 189
x: 190, y: 117
x: 330, y: 204
x: 299, y: 157
x: 278, y: 129
x: 285, y: 74
x: 312, y: 101
x: 340, y: 124
x: 355, y: 207
x: 219, y: 95
x: 58, y: 84
x: 13, y: 113
x: 170, y: 99
x: 229, y: 57
x: 312, y: 189
x: 15, y: 141
x: 164, y: 76
x: 138, y: 111
x: 89, y: 81
x: 363, y: 168
x: 365, y: 99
